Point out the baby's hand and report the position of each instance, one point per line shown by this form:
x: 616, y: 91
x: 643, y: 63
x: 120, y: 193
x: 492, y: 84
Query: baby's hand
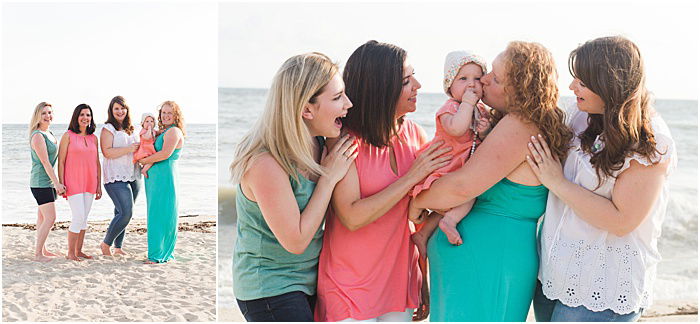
x: 483, y: 126
x: 470, y: 97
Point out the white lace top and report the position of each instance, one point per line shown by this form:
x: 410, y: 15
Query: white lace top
x: 122, y: 168
x: 584, y: 265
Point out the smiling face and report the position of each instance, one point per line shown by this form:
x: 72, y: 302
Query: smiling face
x: 119, y: 112
x: 586, y: 100
x: 409, y: 91
x: 84, y: 119
x: 468, y: 77
x: 167, y: 115
x: 46, y: 116
x: 324, y: 116
x: 494, y: 84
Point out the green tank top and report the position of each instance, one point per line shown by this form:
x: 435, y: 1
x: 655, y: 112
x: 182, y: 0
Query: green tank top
x: 38, y: 177
x: 261, y: 266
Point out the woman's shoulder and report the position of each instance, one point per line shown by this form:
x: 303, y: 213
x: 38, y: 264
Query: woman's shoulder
x: 264, y: 165
x: 109, y: 127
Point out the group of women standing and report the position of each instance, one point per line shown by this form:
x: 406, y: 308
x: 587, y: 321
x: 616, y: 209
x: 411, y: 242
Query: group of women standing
x: 598, y: 172
x: 81, y: 175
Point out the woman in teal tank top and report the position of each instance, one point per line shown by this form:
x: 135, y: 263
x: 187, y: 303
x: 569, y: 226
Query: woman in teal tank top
x: 161, y: 184
x: 492, y: 275
x: 284, y: 184
x: 43, y: 181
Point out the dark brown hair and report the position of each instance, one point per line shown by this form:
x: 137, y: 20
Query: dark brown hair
x: 373, y: 81
x: 126, y: 123
x: 75, y: 127
x: 613, y: 69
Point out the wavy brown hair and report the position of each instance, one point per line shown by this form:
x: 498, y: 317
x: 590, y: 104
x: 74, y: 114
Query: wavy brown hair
x: 613, y: 69
x: 177, y: 114
x: 531, y: 93
x: 126, y: 123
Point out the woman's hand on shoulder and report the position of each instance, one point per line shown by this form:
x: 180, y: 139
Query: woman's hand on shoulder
x: 546, y: 167
x: 339, y: 158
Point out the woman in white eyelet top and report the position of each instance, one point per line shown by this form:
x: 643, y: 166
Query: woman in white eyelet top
x: 121, y: 175
x: 598, y: 241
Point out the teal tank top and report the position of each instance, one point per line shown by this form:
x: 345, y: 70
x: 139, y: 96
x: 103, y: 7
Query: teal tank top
x: 38, y: 177
x: 261, y: 266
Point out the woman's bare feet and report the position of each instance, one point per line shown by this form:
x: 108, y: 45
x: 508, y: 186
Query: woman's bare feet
x: 150, y: 262
x: 119, y: 251
x: 449, y: 227
x: 42, y: 258
x: 105, y: 249
x: 48, y: 253
x: 84, y: 256
x: 73, y: 257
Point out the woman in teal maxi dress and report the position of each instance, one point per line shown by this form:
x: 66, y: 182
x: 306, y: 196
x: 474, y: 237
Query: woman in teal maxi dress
x: 161, y: 198
x: 491, y: 277
x: 497, y: 263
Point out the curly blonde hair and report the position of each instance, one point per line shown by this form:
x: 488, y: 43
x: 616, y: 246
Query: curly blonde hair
x: 531, y: 93
x: 177, y: 113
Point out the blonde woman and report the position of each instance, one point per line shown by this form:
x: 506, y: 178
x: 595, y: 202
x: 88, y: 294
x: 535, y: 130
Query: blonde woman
x: 43, y: 181
x: 161, y: 183
x: 285, y: 179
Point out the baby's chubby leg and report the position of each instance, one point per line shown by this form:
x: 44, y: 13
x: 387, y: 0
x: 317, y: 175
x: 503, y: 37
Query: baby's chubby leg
x: 420, y: 237
x: 144, y: 169
x: 448, y: 224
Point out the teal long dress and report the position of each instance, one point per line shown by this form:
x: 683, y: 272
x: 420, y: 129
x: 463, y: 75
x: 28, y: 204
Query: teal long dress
x: 490, y: 277
x: 161, y: 198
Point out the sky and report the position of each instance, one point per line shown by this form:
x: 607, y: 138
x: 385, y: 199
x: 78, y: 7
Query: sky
x: 255, y: 39
x: 72, y: 53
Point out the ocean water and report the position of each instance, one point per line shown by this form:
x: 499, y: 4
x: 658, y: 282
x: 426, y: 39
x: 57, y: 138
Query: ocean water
x: 196, y: 166
x: 678, y: 272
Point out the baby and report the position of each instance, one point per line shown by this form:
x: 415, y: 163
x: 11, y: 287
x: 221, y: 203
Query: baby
x: 148, y: 138
x: 460, y: 124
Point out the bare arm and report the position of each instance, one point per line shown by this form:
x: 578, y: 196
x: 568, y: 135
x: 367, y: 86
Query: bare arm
x: 172, y: 137
x: 39, y: 146
x: 499, y: 155
x: 458, y: 124
x: 107, y: 140
x: 634, y: 194
x: 62, y: 151
x: 98, y: 194
x: 355, y: 212
x: 270, y: 188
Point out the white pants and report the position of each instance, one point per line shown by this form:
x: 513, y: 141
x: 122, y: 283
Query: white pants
x: 406, y: 316
x: 80, y: 205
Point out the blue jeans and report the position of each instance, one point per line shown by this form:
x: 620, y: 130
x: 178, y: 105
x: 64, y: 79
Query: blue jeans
x: 123, y: 195
x: 294, y: 306
x: 547, y: 310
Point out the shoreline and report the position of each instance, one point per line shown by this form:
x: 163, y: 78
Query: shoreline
x: 110, y: 288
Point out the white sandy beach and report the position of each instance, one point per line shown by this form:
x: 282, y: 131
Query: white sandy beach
x: 110, y: 288
x: 661, y: 311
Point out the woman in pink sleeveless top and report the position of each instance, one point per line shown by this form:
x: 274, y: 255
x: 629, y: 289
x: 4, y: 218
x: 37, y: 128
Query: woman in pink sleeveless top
x: 79, y: 171
x: 368, y: 268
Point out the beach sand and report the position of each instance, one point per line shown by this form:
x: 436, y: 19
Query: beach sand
x: 660, y: 311
x: 110, y: 288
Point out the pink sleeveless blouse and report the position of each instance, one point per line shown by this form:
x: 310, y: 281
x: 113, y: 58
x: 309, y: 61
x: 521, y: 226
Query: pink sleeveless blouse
x: 80, y: 174
x: 373, y: 270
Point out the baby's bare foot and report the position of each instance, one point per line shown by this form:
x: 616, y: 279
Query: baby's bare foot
x: 144, y: 173
x: 450, y: 230
x: 105, y: 249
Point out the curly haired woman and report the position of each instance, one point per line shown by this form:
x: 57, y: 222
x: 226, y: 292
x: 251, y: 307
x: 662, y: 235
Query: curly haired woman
x: 492, y: 275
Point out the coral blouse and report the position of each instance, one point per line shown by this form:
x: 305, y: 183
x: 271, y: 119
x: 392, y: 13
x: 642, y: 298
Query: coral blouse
x: 373, y: 270
x: 80, y: 174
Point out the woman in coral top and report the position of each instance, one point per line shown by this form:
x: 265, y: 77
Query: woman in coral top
x: 368, y: 268
x: 79, y: 170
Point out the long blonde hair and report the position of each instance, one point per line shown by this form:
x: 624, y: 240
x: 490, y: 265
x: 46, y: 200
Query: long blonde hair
x: 177, y: 114
x: 281, y: 130
x: 36, y: 117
